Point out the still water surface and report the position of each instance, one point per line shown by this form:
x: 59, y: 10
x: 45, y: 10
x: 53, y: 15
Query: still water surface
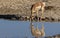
x: 20, y: 29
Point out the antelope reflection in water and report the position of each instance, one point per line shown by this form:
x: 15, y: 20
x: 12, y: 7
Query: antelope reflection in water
x: 37, y: 32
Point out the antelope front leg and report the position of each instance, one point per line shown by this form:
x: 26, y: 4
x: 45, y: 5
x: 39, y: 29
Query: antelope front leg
x: 37, y: 16
x: 42, y: 16
x: 37, y: 13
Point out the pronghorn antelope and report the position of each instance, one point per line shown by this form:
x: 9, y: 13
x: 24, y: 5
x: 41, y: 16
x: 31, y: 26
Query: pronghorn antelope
x: 36, y: 32
x: 36, y: 7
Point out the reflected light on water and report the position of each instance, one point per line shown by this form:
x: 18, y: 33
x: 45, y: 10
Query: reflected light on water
x: 21, y: 29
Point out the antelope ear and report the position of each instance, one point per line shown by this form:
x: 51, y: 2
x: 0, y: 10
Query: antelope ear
x: 44, y: 3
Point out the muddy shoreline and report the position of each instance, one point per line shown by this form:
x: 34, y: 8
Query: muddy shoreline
x: 25, y: 18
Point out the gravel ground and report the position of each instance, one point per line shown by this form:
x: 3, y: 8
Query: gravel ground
x: 23, y: 7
